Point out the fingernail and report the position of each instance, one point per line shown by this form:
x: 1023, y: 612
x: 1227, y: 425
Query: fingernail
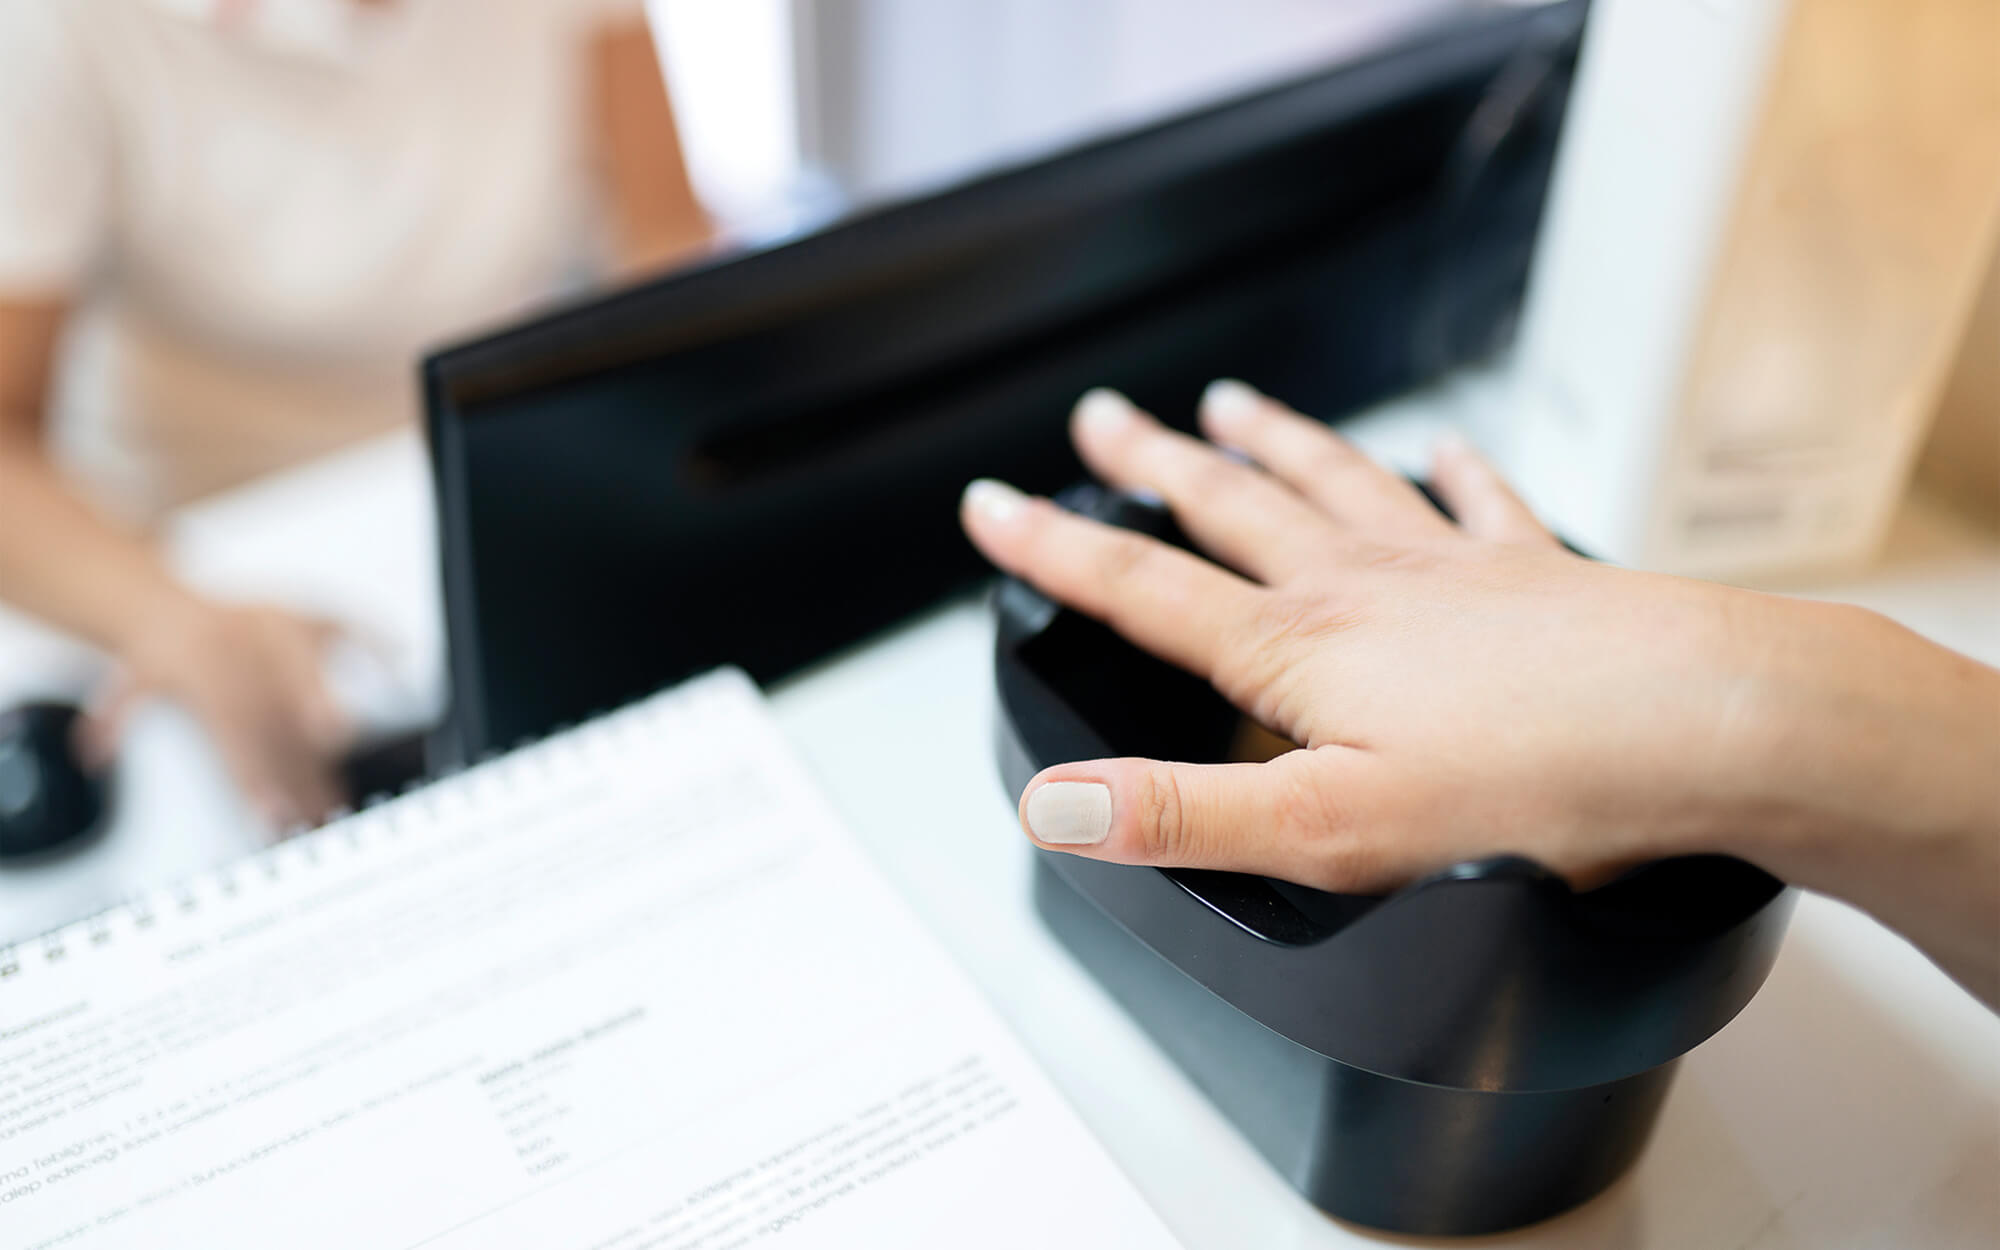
x: 1070, y: 813
x: 1452, y: 443
x: 1103, y: 411
x: 272, y: 809
x: 1228, y: 402
x: 994, y: 500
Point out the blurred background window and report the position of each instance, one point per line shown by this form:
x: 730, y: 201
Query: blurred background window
x: 791, y: 109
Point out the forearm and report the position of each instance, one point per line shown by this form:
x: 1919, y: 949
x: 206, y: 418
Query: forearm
x: 655, y: 215
x: 64, y: 562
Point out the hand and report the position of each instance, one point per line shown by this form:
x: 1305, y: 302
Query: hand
x: 1470, y: 689
x: 252, y: 676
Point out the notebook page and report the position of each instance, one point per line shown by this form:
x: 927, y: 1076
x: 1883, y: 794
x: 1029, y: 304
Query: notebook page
x: 632, y: 987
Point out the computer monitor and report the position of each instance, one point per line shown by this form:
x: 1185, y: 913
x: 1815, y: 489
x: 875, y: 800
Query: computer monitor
x: 757, y: 461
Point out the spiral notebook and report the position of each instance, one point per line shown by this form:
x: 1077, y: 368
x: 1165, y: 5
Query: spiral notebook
x: 630, y: 987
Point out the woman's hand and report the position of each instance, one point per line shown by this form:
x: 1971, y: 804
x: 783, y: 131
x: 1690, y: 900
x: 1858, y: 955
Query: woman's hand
x: 1463, y: 690
x: 253, y: 677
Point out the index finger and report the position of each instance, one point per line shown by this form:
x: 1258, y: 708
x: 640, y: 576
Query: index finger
x: 1172, y: 603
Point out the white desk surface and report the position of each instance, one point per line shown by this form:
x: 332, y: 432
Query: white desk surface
x: 1855, y: 1103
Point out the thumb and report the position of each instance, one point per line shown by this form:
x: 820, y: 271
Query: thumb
x: 1296, y: 816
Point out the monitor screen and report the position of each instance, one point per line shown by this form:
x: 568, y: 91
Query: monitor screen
x: 757, y: 461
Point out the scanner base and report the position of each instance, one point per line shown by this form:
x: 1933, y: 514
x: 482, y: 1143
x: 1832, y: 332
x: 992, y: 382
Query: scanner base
x: 1369, y: 1149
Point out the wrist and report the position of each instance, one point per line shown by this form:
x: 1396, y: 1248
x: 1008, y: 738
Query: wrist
x: 1865, y: 726
x: 1865, y: 762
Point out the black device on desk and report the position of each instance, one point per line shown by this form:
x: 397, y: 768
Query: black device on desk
x: 758, y: 461
x: 1482, y: 1049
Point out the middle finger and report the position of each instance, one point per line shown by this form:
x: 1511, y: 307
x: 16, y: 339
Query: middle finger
x: 1239, y: 513
x: 1321, y: 465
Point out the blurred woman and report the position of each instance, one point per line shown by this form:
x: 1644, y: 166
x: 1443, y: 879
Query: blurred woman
x: 228, y: 228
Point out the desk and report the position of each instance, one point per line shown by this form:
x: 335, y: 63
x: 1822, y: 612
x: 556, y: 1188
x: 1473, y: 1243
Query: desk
x: 1855, y: 1103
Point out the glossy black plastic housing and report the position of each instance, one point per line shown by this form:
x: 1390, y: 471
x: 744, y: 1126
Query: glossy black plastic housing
x: 1478, y: 1050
